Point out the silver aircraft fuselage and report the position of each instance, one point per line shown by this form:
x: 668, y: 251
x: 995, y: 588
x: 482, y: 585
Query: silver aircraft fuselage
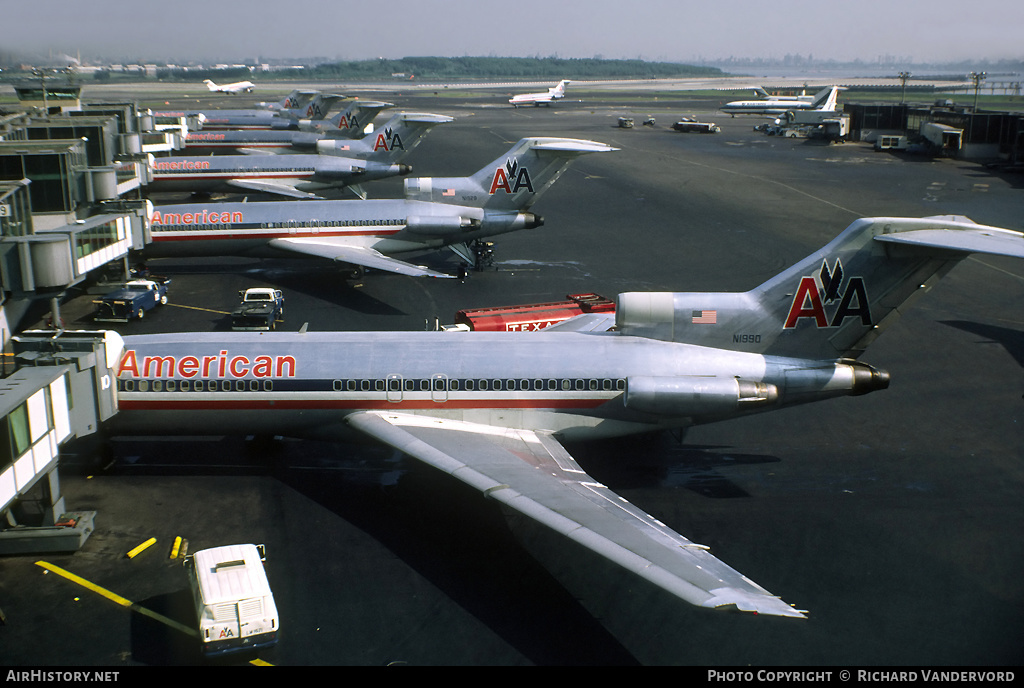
x: 387, y: 225
x: 578, y: 385
x: 307, y: 172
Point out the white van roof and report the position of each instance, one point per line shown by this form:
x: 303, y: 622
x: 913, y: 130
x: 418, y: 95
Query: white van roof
x: 231, y: 572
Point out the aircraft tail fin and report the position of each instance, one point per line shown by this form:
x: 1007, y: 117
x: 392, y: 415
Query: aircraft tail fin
x: 352, y: 122
x: 211, y: 85
x: 512, y: 182
x: 294, y: 100
x: 830, y: 305
x: 396, y: 139
x: 317, y: 108
x: 826, y: 98
x: 559, y: 90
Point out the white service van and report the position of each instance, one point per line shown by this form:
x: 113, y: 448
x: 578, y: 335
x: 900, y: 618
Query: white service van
x: 233, y: 600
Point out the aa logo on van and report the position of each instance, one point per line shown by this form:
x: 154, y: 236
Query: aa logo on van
x: 816, y: 296
x: 512, y: 178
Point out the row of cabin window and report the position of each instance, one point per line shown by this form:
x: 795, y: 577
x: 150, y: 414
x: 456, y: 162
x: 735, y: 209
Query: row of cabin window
x: 389, y: 385
x: 244, y: 170
x: 316, y: 224
x: 439, y: 384
x: 196, y: 385
x: 302, y: 224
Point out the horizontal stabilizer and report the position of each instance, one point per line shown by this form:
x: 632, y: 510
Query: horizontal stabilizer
x: 981, y: 240
x: 571, y: 146
x: 425, y: 118
x: 356, y: 255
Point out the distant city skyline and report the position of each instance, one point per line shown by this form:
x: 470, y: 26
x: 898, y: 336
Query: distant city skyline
x: 913, y: 31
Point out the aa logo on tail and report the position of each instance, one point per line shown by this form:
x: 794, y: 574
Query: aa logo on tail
x: 314, y: 110
x: 388, y: 141
x: 512, y: 178
x: 814, y: 294
x: 348, y: 122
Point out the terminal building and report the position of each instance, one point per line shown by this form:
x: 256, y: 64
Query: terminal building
x: 943, y: 128
x: 71, y: 202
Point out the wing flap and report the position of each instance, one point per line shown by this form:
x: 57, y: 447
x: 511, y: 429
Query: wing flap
x: 533, y: 474
x: 585, y: 322
x: 356, y: 255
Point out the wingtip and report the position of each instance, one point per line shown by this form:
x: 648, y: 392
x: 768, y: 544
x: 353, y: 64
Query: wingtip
x: 738, y: 600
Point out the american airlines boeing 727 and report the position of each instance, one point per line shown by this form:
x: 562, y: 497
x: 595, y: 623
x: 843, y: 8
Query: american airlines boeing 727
x: 337, y: 137
x: 436, y: 212
x: 231, y: 89
x: 545, y: 98
x: 493, y: 408
x: 317, y: 108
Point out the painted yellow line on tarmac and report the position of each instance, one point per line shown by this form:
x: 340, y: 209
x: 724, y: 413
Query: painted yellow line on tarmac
x: 197, y: 308
x: 117, y: 599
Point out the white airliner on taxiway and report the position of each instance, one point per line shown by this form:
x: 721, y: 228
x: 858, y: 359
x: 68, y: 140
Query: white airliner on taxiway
x: 237, y: 87
x: 544, y: 98
x: 824, y: 99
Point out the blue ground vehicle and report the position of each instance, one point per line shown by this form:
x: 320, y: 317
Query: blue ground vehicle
x: 132, y: 300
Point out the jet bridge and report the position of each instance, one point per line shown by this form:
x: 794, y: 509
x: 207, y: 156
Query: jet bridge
x: 61, y: 389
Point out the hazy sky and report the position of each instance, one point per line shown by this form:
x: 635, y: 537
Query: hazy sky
x: 670, y: 30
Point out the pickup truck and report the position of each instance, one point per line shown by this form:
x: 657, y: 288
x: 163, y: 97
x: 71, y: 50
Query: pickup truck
x: 261, y: 309
x: 132, y: 300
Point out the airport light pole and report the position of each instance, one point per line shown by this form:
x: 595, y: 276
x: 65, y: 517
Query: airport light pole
x: 977, y: 78
x: 903, y: 77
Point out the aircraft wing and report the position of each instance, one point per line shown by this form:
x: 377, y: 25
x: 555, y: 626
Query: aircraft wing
x: 282, y: 188
x: 533, y: 474
x: 585, y: 322
x: 356, y: 255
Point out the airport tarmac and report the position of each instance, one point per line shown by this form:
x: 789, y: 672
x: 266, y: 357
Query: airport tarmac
x: 893, y: 518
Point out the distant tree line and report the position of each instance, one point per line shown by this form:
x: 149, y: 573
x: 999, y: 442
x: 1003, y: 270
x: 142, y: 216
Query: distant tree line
x: 506, y: 68
x: 225, y: 75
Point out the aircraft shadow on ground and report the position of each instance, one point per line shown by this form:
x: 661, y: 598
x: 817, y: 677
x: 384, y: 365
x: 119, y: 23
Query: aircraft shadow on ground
x: 459, y: 541
x: 443, y: 530
x: 316, y: 279
x: 447, y: 532
x: 1011, y: 340
x: 661, y: 461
